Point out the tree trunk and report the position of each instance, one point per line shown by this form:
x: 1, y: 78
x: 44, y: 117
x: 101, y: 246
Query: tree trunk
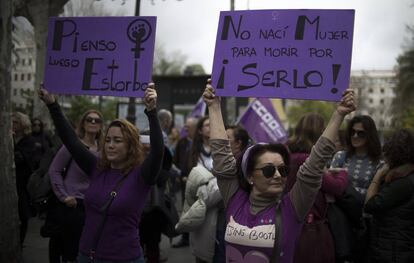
x: 38, y: 13
x: 10, y: 250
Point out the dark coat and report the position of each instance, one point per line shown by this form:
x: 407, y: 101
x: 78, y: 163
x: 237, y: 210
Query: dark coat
x: 392, y: 235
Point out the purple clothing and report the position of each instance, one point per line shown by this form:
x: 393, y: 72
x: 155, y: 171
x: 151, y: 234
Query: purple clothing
x: 75, y: 182
x: 245, y: 230
x: 119, y: 239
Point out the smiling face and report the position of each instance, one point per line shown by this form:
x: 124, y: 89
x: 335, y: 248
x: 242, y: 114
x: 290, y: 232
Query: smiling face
x: 358, y: 136
x: 267, y: 187
x: 116, y: 147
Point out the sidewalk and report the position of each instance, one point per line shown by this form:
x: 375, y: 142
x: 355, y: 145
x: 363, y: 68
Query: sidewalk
x: 36, y: 247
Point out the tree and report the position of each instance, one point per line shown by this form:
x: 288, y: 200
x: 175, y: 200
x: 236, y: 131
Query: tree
x: 405, y: 80
x: 38, y: 13
x: 407, y: 118
x: 323, y: 108
x: 10, y: 250
x: 165, y: 64
x: 194, y: 70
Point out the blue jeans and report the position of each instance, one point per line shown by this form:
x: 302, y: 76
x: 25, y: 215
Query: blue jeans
x: 85, y: 259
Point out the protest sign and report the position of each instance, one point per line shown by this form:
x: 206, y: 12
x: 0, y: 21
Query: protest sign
x: 110, y: 56
x: 296, y: 54
x: 262, y: 122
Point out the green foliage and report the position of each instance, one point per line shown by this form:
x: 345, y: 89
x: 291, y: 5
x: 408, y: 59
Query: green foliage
x: 108, y: 109
x: 194, y: 69
x: 79, y: 104
x: 167, y: 64
x: 407, y: 118
x: 323, y: 108
x: 405, y: 80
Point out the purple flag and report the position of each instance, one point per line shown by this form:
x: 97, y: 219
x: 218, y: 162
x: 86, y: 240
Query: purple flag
x: 110, y: 56
x: 198, y: 111
x: 293, y: 54
x: 262, y: 122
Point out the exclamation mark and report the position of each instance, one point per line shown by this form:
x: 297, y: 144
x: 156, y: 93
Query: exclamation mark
x: 220, y: 83
x: 335, y: 72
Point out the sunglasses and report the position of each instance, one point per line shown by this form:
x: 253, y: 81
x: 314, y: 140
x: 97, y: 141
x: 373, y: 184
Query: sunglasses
x: 93, y: 120
x: 359, y: 134
x: 269, y: 170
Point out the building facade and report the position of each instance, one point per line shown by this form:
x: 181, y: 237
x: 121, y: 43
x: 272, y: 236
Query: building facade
x: 375, y: 91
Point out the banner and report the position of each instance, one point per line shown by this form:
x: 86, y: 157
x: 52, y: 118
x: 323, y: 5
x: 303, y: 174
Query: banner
x: 262, y: 122
x: 110, y: 56
x: 293, y: 54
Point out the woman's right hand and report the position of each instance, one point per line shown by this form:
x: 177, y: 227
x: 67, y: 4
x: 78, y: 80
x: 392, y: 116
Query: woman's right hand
x: 209, y: 95
x: 45, y: 96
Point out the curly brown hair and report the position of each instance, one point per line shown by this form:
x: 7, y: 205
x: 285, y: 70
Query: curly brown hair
x: 135, y: 148
x: 399, y: 148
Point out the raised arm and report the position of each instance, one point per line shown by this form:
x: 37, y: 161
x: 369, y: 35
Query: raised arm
x: 224, y: 163
x: 152, y: 163
x: 83, y: 157
x: 309, y: 177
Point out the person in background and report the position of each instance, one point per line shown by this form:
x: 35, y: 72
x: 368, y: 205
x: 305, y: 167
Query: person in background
x: 120, y: 180
x: 239, y: 141
x: 180, y: 159
x: 390, y: 200
x: 153, y: 218
x: 70, y: 189
x: 43, y: 140
x: 166, y: 120
x: 362, y: 156
x: 26, y: 160
x: 173, y: 138
x: 257, y: 205
x: 315, y: 242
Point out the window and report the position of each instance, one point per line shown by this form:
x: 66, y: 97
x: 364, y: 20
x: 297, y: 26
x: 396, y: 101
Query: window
x: 14, y: 92
x: 30, y: 61
x: 371, y: 101
x: 23, y: 61
x: 29, y: 76
x: 16, y: 77
x: 370, y: 90
x: 382, y: 101
x: 21, y: 92
x: 382, y: 90
x: 22, y: 77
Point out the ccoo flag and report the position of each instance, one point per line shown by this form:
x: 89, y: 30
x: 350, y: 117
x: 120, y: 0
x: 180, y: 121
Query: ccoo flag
x: 262, y: 122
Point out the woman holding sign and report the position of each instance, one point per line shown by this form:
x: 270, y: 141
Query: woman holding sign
x: 263, y: 223
x: 120, y: 180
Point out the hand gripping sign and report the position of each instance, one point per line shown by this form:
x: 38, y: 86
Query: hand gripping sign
x: 100, y: 55
x: 295, y: 54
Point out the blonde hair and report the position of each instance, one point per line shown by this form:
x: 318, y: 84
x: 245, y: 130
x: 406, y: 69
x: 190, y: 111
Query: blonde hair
x: 24, y: 121
x: 135, y: 151
x: 80, y: 129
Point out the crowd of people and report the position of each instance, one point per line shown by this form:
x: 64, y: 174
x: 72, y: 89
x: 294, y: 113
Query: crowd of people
x: 326, y: 195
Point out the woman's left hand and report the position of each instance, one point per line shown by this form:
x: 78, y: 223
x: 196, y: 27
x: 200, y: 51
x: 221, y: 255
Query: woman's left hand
x: 150, y: 98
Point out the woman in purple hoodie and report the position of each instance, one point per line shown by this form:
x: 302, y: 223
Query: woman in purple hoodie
x: 119, y: 182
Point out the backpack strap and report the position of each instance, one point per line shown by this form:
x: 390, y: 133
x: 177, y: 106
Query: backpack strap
x: 276, y: 251
x: 105, y: 209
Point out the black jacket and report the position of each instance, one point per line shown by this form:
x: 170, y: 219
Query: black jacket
x: 392, y: 235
